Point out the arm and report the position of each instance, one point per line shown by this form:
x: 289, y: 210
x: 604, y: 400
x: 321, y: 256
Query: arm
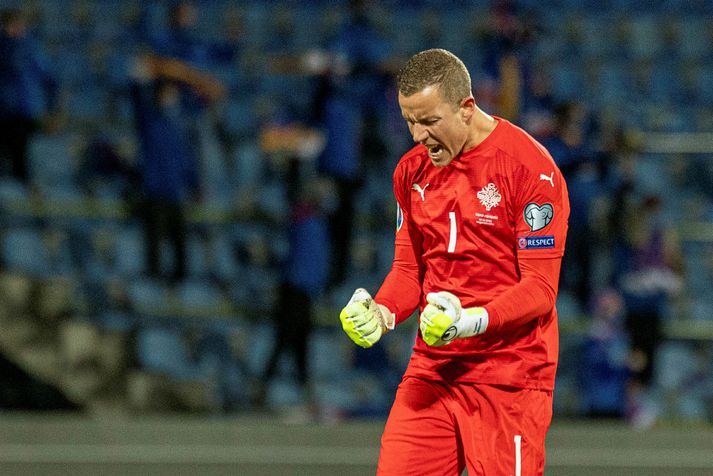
x: 365, y: 319
x: 401, y: 290
x: 541, y: 212
x: 532, y: 297
x: 179, y: 71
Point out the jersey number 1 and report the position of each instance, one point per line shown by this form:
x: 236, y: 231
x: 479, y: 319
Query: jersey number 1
x: 454, y: 232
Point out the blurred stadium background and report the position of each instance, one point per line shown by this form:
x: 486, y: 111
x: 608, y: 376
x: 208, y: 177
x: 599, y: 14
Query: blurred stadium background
x: 112, y: 364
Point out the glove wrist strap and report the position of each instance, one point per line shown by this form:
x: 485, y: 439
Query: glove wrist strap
x: 388, y: 318
x: 473, y: 322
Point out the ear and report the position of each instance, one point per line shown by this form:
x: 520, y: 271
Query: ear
x: 467, y: 108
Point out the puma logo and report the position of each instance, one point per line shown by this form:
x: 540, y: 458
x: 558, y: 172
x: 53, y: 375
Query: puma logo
x: 549, y: 178
x: 421, y: 191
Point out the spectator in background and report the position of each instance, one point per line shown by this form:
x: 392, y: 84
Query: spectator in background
x: 179, y: 41
x: 569, y: 145
x: 28, y: 92
x: 605, y: 360
x: 505, y: 67
x: 176, y: 40
x: 348, y: 105
x: 107, y: 165
x: 649, y: 269
x: 305, y: 274
x: 167, y: 164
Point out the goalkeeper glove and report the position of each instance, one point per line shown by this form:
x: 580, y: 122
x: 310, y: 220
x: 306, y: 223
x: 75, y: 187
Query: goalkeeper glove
x: 364, y: 321
x: 443, y: 319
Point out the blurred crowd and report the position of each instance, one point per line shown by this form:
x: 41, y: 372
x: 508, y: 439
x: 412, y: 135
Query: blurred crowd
x: 190, y: 190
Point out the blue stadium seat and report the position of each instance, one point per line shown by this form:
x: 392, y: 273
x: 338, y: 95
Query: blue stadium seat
x: 645, y: 40
x: 88, y: 103
x: 163, y: 349
x: 130, y: 251
x: 567, y: 80
x: 328, y: 356
x: 147, y: 294
x: 224, y: 262
x: 197, y: 261
x: 249, y: 165
x: 12, y: 190
x: 51, y: 161
x: 239, y: 116
x: 273, y: 199
x: 705, y: 83
x: 595, y: 31
x: 694, y: 37
x: 24, y: 251
x: 199, y: 294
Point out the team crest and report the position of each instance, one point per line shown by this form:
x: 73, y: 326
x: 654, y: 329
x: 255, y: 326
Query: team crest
x: 489, y: 196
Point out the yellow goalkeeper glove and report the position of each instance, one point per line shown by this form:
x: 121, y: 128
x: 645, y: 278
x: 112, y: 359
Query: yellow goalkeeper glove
x: 365, y: 321
x: 443, y: 319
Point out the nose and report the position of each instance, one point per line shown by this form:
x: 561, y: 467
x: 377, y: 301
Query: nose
x: 419, y: 133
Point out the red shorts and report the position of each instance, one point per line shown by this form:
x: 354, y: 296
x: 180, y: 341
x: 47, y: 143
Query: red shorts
x: 438, y: 429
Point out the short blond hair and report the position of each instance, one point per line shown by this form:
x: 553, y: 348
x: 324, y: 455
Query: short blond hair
x: 436, y: 67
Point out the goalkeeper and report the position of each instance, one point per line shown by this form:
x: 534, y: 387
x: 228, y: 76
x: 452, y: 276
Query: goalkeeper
x: 481, y: 226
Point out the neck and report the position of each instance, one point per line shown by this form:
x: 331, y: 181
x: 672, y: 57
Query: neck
x: 481, y: 126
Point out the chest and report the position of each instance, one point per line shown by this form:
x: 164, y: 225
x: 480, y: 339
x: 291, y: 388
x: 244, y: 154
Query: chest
x: 471, y: 205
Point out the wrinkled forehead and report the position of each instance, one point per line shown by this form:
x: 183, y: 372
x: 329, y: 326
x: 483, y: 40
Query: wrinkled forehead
x: 427, y: 101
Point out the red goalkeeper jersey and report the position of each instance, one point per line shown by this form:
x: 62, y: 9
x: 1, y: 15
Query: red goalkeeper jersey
x: 490, y: 227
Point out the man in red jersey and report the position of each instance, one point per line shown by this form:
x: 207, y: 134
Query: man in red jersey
x: 481, y: 226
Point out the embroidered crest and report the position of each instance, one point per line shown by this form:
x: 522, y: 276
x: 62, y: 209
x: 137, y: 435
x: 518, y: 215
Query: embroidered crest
x: 489, y: 196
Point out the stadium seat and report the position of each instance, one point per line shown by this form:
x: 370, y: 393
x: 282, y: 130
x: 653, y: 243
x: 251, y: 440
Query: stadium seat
x: 51, y: 161
x: 23, y: 250
x: 129, y: 251
x: 147, y: 296
x: 163, y: 349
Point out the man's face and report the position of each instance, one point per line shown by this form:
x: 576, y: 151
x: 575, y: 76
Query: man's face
x: 436, y: 124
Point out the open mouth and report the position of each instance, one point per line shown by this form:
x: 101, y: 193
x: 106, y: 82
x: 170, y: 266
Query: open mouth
x: 434, y: 151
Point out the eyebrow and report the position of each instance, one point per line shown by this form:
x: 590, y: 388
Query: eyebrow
x: 423, y: 119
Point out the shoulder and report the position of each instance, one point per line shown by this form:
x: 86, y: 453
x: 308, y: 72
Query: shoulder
x: 411, y: 161
x: 522, y: 150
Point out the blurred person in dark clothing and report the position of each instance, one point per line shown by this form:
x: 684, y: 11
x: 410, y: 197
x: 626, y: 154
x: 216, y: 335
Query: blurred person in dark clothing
x: 28, y: 92
x: 349, y: 108
x: 168, y: 164
x: 305, y: 274
x: 569, y: 144
x: 649, y: 266
x: 105, y: 163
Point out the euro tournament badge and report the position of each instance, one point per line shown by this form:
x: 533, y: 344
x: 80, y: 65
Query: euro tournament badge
x: 538, y: 216
x: 399, y: 217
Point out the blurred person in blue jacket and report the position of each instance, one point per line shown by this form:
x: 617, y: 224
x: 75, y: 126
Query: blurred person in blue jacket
x: 304, y: 278
x: 28, y: 92
x: 168, y: 163
x: 605, y: 371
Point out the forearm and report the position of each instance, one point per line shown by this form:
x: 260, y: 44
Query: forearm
x: 400, y: 291
x: 180, y: 71
x: 532, y: 297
